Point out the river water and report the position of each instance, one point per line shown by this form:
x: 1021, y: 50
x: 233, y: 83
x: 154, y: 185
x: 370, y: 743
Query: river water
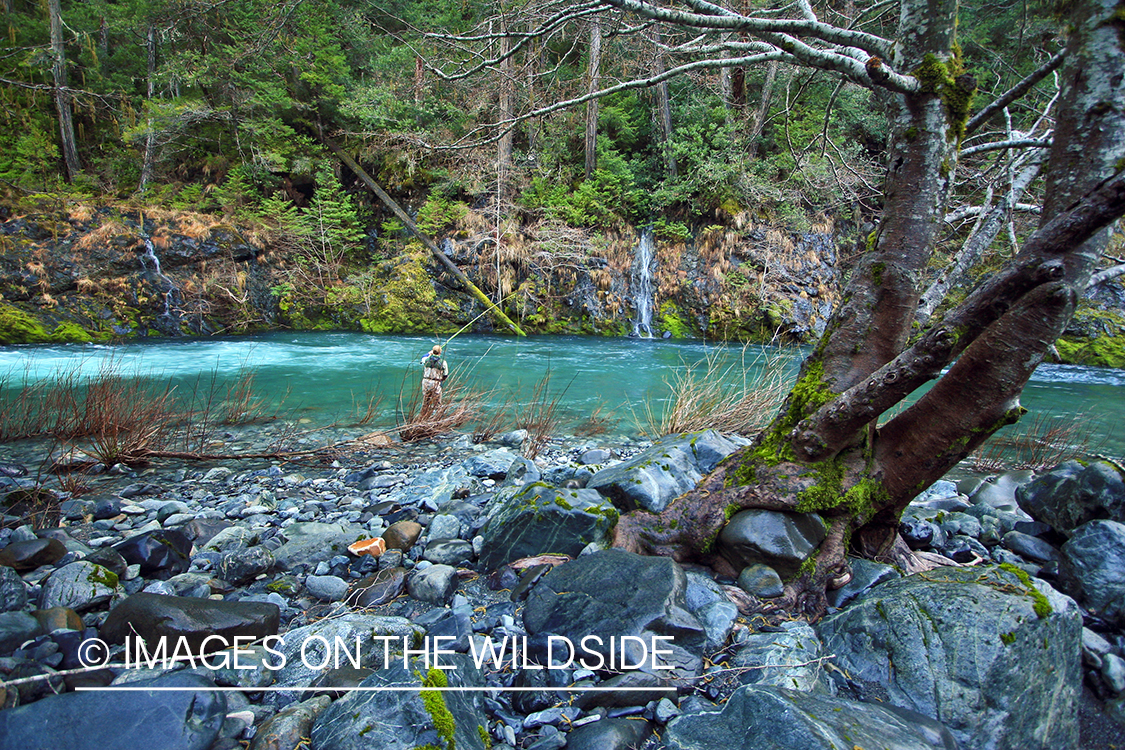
x: 326, y: 377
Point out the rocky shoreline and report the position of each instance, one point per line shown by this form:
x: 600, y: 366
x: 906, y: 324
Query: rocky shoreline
x: 487, y: 550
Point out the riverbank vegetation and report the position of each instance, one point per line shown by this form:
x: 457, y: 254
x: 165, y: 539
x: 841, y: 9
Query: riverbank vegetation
x: 198, y: 128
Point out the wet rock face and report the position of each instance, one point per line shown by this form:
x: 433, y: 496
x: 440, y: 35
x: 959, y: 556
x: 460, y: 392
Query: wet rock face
x: 780, y: 540
x: 168, y: 719
x: 94, y: 273
x: 979, y: 650
x: 1072, y: 494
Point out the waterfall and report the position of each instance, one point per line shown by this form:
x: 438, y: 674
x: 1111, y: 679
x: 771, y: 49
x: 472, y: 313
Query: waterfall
x: 169, y: 320
x: 641, y: 279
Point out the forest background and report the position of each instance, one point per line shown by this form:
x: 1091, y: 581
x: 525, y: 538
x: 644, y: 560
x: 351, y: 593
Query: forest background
x: 163, y: 170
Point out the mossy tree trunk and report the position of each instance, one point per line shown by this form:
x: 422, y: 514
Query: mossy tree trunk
x: 826, y: 452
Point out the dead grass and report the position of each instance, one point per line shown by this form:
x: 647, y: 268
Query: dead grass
x: 117, y: 417
x: 1038, y: 444
x: 80, y: 212
x: 459, y: 406
x: 540, y: 416
x: 707, y: 394
x: 109, y: 229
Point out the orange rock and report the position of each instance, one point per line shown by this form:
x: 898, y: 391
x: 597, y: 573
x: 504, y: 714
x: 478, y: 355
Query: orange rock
x: 373, y: 547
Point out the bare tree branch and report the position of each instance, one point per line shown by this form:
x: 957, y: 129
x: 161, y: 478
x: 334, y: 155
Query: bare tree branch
x: 1014, y: 93
x: 1013, y: 143
x: 969, y: 212
x: 869, y: 43
x: 1109, y: 274
x: 636, y: 83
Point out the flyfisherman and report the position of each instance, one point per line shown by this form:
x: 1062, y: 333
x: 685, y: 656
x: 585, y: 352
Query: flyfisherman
x: 434, y: 370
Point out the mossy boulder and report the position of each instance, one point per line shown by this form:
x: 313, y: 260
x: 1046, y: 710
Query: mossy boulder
x: 539, y: 518
x: 991, y: 653
x: 405, y: 720
x: 672, y: 466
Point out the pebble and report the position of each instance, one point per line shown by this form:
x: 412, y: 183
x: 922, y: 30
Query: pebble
x: 236, y: 518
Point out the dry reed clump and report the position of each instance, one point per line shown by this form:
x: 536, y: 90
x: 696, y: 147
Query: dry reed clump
x: 540, y: 416
x: 109, y: 229
x: 1042, y: 443
x: 112, y: 417
x: 80, y: 212
x: 459, y: 406
x: 707, y: 394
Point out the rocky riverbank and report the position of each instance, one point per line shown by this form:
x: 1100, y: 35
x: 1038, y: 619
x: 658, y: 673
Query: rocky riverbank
x: 487, y: 550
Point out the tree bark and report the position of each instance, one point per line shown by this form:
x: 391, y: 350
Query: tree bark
x: 504, y: 146
x: 62, y: 93
x: 664, y: 111
x: 148, y: 166
x: 594, y: 81
x: 758, y: 121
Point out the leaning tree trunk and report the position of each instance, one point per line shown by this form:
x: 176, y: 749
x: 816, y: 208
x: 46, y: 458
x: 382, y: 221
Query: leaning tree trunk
x: 62, y: 92
x: 825, y: 452
x: 664, y: 110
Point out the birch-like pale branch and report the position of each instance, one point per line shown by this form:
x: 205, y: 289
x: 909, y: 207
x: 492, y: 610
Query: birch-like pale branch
x: 969, y: 212
x: 870, y: 43
x: 1108, y: 274
x: 1013, y: 143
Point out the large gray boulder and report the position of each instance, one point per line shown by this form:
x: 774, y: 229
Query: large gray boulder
x: 153, y: 617
x: 310, y: 543
x: 80, y: 585
x: 789, y: 659
x: 1092, y: 564
x: 652, y: 478
x: 494, y: 464
x: 310, y: 651
x: 403, y: 720
x: 780, y: 540
x: 983, y: 651
x: 435, y: 487
x: 614, y: 593
x: 95, y: 720
x: 1072, y: 494
x: 771, y: 718
x: 540, y: 518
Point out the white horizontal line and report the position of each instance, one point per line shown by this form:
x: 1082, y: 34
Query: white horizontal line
x: 360, y: 689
